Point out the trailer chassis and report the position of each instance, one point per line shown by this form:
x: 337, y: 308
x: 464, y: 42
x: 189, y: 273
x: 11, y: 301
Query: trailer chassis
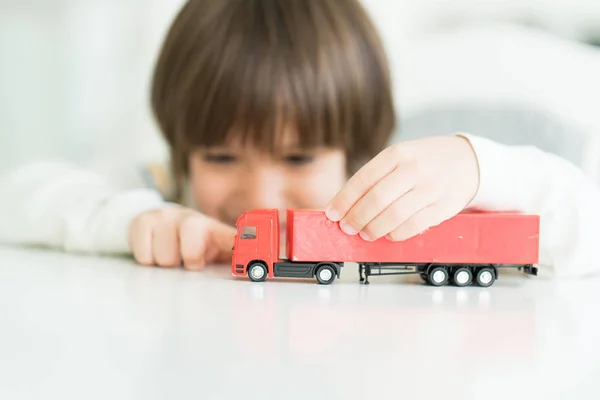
x: 442, y: 274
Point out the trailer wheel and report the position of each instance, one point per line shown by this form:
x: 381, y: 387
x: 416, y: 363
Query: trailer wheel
x: 462, y: 277
x: 325, y: 274
x: 257, y: 272
x: 438, y: 276
x: 485, y: 277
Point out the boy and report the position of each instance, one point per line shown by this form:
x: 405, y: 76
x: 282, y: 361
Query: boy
x: 283, y: 103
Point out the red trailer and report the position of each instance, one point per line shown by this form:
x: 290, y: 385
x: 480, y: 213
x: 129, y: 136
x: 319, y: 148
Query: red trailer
x: 468, y: 248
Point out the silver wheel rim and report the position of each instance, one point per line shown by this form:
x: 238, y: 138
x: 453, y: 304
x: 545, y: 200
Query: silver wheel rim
x: 485, y: 277
x: 438, y: 276
x: 257, y: 272
x: 325, y: 274
x: 462, y: 277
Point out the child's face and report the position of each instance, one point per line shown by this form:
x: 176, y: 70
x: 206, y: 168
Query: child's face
x: 226, y: 181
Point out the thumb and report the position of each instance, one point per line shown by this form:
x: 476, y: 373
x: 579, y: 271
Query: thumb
x: 204, y: 240
x: 222, y: 237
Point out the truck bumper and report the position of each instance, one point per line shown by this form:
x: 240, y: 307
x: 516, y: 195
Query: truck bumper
x: 238, y: 270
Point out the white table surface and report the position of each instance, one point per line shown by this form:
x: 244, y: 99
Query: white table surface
x: 76, y: 327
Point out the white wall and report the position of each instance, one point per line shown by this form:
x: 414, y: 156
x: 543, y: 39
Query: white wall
x: 76, y: 73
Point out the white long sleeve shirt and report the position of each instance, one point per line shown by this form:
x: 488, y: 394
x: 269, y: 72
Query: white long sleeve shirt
x: 60, y: 206
x: 526, y: 179
x: 57, y: 205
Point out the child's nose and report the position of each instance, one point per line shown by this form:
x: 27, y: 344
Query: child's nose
x: 263, y: 188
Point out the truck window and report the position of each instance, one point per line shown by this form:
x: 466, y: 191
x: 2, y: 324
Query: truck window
x: 248, y: 232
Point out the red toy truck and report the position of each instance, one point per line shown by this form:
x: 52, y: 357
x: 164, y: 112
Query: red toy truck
x: 468, y: 248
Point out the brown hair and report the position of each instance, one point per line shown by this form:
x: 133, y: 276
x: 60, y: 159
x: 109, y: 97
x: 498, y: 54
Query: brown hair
x: 254, y: 65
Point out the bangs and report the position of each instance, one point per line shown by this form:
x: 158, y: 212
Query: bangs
x: 249, y: 70
x: 265, y: 72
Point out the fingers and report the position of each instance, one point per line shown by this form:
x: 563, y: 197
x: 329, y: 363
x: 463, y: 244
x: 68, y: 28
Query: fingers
x: 154, y: 238
x: 165, y: 244
x: 140, y: 239
x: 193, y: 240
x: 419, y: 222
x: 398, y: 213
x: 172, y: 237
x: 222, y: 236
x: 205, y: 240
x: 377, y: 201
x: 361, y: 182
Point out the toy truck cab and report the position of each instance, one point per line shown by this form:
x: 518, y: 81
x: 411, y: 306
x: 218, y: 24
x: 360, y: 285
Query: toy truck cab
x: 256, y: 251
x: 256, y: 244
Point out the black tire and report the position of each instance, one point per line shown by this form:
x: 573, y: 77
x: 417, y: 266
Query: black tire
x: 485, y: 277
x: 325, y: 274
x: 257, y: 272
x: 462, y: 276
x: 438, y: 276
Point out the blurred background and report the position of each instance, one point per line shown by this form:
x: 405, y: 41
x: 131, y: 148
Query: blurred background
x: 74, y: 75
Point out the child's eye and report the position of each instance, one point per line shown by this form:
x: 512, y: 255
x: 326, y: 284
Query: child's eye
x: 299, y: 159
x: 219, y: 158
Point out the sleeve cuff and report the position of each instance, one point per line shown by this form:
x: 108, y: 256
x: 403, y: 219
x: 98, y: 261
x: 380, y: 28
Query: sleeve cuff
x: 112, y: 223
x: 497, y: 185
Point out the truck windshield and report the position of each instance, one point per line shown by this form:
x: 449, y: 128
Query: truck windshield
x: 248, y: 232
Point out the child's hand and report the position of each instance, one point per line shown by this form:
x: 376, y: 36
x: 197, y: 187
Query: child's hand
x: 174, y: 236
x: 408, y: 188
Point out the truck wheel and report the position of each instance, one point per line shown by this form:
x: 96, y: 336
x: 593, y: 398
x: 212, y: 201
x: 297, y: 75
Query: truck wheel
x: 257, y: 272
x: 325, y: 274
x: 438, y: 276
x: 462, y: 277
x: 485, y: 277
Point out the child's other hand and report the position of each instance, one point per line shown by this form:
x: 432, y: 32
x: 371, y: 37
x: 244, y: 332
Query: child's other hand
x: 174, y: 236
x: 408, y: 188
